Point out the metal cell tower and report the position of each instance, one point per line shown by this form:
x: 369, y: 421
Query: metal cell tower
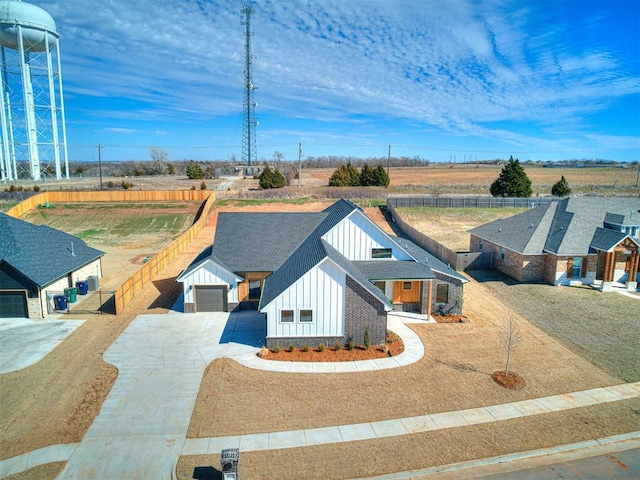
x: 32, y: 123
x: 249, y: 121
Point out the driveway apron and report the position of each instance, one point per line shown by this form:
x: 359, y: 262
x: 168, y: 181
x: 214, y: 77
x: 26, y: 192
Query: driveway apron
x: 143, y: 422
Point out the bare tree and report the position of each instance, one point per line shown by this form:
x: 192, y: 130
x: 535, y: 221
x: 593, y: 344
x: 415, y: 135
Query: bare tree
x: 159, y: 158
x: 512, y: 339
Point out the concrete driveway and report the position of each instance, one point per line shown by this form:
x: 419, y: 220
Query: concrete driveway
x: 24, y: 342
x: 143, y: 423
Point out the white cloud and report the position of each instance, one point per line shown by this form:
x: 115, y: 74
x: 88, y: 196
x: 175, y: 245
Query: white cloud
x: 458, y: 65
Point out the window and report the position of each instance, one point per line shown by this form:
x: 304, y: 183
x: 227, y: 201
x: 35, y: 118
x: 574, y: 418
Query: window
x: 406, y: 285
x: 442, y: 293
x: 380, y: 253
x: 306, y: 316
x: 286, y: 316
x: 380, y: 285
x: 254, y: 289
x: 501, y: 253
x: 576, y: 268
x: 480, y: 245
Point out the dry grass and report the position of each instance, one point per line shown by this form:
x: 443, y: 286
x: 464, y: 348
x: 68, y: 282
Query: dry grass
x: 48, y: 471
x: 449, y: 225
x: 434, y: 384
x: 418, y: 451
x: 604, y: 328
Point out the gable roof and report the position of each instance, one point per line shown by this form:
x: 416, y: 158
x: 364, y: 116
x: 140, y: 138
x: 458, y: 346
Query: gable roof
x: 606, y: 240
x: 565, y: 227
x: 42, y: 254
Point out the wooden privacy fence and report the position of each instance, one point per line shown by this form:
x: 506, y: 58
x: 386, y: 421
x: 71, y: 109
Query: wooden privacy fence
x: 469, y: 202
x: 134, y: 284
x: 108, y: 196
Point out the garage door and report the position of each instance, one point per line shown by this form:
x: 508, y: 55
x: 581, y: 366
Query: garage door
x: 211, y: 298
x: 13, y: 304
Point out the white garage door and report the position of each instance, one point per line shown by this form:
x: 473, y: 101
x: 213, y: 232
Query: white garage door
x: 211, y: 298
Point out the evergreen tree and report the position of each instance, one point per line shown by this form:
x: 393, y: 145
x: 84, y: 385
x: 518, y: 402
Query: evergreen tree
x: 278, y: 180
x: 353, y: 175
x: 381, y: 177
x: 561, y: 188
x: 265, y: 179
x: 194, y: 170
x: 512, y: 182
x: 340, y: 177
x: 367, y: 176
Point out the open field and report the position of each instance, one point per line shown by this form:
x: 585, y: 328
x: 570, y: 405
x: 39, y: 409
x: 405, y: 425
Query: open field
x: 449, y: 225
x: 604, y: 328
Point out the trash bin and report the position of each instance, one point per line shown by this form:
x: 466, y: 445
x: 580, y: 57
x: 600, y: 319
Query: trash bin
x: 94, y: 283
x: 83, y: 287
x: 71, y: 294
x: 60, y: 302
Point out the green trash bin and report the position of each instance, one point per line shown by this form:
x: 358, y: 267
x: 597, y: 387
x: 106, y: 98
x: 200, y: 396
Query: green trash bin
x: 71, y: 294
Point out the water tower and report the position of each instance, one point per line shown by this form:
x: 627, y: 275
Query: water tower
x: 31, y: 104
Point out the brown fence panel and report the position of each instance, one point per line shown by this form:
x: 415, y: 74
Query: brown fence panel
x: 126, y: 293
x: 429, y: 244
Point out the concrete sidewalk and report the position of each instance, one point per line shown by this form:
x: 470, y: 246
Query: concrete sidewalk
x: 405, y: 426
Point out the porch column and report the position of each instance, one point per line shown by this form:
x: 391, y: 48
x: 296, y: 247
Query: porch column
x: 607, y: 273
x: 430, y: 284
x: 632, y: 284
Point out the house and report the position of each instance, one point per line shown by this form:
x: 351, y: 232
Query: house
x: 577, y: 240
x: 36, y: 261
x: 318, y: 277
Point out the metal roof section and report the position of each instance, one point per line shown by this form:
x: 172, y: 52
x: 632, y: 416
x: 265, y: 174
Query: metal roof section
x: 606, y: 240
x: 42, y: 254
x: 428, y: 259
x: 397, y: 270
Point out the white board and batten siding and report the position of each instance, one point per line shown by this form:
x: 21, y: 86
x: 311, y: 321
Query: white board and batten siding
x: 210, y: 273
x: 355, y: 237
x: 321, y: 290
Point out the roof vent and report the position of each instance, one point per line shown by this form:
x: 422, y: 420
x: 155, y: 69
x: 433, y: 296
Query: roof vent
x: 73, y: 253
x: 499, y: 229
x: 531, y: 226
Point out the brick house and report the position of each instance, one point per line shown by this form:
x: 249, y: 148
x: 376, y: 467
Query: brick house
x: 577, y: 240
x: 318, y: 277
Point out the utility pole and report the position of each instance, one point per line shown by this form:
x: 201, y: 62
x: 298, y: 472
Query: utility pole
x: 388, y: 161
x: 299, y: 163
x: 638, y: 177
x: 100, y: 147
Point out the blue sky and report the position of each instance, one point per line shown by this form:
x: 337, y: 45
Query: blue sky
x: 471, y: 79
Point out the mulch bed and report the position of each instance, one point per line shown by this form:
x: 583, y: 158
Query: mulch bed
x: 393, y: 347
x: 450, y: 318
x: 513, y: 381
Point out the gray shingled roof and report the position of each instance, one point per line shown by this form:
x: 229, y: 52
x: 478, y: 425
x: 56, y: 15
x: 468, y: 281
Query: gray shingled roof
x: 427, y: 259
x: 42, y: 254
x: 605, y: 240
x: 261, y: 242
x: 565, y: 227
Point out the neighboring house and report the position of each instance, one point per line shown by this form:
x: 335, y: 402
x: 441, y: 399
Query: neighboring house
x: 36, y: 261
x: 573, y: 240
x: 319, y: 277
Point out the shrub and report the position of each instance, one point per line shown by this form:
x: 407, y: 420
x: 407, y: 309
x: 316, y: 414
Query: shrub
x: 203, y: 186
x: 264, y: 351
x: 321, y: 347
x: 194, y: 170
x: 110, y: 184
x: 561, y: 188
x: 193, y: 187
x: 276, y: 349
x: 126, y: 185
x: 351, y: 345
x: 292, y: 347
x: 36, y: 188
x: 337, y: 347
x: 367, y: 338
x: 384, y: 348
x: 305, y: 348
